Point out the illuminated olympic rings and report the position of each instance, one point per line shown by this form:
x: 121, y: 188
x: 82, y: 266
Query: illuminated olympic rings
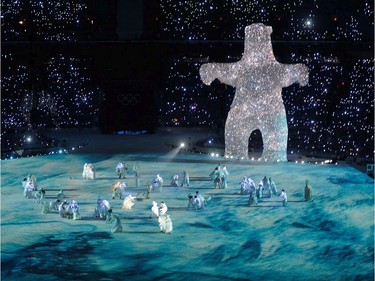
x: 129, y: 99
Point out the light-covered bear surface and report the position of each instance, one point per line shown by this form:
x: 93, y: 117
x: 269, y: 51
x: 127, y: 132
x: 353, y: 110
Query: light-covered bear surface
x: 257, y: 104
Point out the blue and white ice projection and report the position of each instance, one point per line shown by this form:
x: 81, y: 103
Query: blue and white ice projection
x: 257, y: 103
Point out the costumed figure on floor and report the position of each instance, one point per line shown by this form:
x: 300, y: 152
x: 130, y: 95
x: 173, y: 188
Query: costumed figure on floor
x: 75, y: 209
x: 65, y: 210
x: 128, y: 202
x: 121, y: 170
x: 136, y: 169
x: 148, y: 191
x: 164, y: 220
x: 174, y: 180
x: 218, y: 177
x: 253, y: 200
x: 40, y: 195
x: 225, y: 177
x: 28, y: 190
x: 101, y: 209
x: 190, y: 202
x: 54, y: 205
x: 185, y: 179
x: 267, y: 193
x: 60, y: 195
x: 45, y: 208
x: 273, y: 187
x: 308, y: 191
x: 162, y: 208
x: 283, y: 197
x: 259, y: 190
x: 165, y: 224
x: 115, y: 219
x: 30, y: 179
x: 154, y: 210
x: 118, y: 189
x: 244, y: 187
x: 157, y: 183
x: 196, y: 203
x: 201, y: 199
x: 88, y: 172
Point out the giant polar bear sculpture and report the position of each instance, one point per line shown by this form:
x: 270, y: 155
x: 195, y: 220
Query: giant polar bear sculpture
x: 257, y: 103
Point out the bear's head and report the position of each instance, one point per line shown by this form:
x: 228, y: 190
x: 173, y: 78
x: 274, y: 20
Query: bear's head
x: 258, y: 46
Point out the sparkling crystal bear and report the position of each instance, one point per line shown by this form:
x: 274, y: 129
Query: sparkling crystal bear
x: 257, y: 103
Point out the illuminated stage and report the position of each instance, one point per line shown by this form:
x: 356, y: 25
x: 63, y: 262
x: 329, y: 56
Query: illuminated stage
x: 318, y: 240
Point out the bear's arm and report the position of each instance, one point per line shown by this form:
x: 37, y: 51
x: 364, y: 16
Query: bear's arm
x: 294, y: 73
x: 224, y: 72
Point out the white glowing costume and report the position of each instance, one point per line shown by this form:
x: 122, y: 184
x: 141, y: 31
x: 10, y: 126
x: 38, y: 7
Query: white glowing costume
x: 102, y: 207
x: 40, y: 195
x: 196, y: 203
x: 174, y: 180
x: 155, y: 209
x: 30, y: 179
x: 257, y: 104
x: 118, y: 189
x: 162, y: 208
x: 157, y: 183
x: 65, y: 210
x: 121, y: 170
x: 283, y: 198
x: 128, y: 202
x: 165, y: 224
x: 244, y: 187
x: 75, y: 209
x: 88, y: 172
x: 201, y: 199
x: 28, y: 190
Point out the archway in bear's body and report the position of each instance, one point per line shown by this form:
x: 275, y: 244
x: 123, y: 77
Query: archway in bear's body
x: 257, y: 103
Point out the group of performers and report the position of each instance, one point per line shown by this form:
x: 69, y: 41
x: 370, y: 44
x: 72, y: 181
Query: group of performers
x: 266, y: 188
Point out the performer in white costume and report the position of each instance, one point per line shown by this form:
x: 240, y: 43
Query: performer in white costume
x: 28, y: 190
x: 40, y: 195
x: 121, y: 170
x: 162, y: 208
x: 88, y: 172
x: 174, y: 180
x: 75, y: 209
x: 283, y: 197
x: 65, y: 210
x: 244, y: 187
x: 128, y: 202
x: 118, y: 189
x: 157, y: 183
x: 101, y: 209
x: 165, y: 224
x: 155, y: 209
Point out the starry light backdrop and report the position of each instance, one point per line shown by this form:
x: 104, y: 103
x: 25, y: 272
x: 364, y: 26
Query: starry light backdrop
x: 333, y: 115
